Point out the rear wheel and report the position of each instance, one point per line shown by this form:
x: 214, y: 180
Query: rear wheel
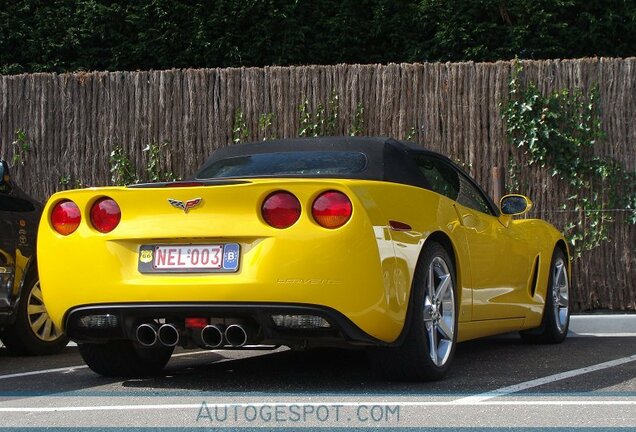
x: 556, y: 315
x: 33, y: 332
x: 429, y: 346
x: 125, y: 358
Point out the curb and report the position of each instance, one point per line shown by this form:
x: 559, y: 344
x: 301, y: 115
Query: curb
x: 614, y: 325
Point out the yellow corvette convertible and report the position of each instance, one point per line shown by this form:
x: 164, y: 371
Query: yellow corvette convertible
x: 367, y: 242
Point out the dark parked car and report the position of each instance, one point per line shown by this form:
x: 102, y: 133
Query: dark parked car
x: 25, y: 326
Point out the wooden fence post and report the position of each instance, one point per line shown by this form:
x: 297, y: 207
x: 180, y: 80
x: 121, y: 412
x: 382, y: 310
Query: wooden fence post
x: 498, y: 183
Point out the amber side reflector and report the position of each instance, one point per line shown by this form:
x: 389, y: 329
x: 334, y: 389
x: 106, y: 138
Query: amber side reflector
x: 399, y: 226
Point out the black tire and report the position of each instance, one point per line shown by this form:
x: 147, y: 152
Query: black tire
x: 413, y: 359
x: 126, y: 359
x: 35, y: 334
x: 556, y: 320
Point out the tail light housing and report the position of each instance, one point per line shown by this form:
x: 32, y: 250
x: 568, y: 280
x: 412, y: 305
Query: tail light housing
x: 332, y: 209
x: 65, y: 217
x: 105, y: 215
x: 281, y: 209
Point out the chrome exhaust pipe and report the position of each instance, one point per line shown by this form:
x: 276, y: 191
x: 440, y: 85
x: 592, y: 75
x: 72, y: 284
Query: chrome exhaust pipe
x: 146, y: 334
x: 212, y: 336
x: 236, y: 335
x: 168, y: 335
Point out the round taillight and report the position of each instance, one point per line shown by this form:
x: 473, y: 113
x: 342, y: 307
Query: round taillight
x: 331, y: 209
x: 105, y: 215
x: 281, y: 209
x: 65, y: 217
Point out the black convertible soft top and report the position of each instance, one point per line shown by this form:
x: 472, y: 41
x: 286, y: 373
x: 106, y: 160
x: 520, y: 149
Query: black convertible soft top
x: 386, y: 158
x: 364, y: 158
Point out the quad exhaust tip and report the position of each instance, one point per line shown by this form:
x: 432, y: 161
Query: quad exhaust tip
x: 236, y: 335
x: 212, y: 336
x: 168, y: 335
x: 146, y: 334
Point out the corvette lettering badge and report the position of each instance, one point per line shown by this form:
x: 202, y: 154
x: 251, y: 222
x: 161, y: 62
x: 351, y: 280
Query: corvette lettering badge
x: 185, y: 206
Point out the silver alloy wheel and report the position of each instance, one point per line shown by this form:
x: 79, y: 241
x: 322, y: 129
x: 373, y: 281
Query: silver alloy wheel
x: 560, y: 294
x: 41, y: 324
x: 439, y: 311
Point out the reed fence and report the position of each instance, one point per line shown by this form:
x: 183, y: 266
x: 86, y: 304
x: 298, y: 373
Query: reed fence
x: 72, y: 122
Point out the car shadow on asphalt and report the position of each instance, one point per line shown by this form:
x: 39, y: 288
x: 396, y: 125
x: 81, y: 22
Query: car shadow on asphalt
x: 479, y: 366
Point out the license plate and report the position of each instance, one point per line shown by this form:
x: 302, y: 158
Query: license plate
x: 192, y: 258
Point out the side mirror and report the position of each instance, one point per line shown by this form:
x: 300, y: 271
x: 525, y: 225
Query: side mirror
x: 5, y: 178
x: 515, y: 205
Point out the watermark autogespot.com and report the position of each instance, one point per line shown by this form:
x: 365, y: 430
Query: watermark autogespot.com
x: 219, y: 414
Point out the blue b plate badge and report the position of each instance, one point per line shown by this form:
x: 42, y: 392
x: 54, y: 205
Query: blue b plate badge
x: 189, y: 258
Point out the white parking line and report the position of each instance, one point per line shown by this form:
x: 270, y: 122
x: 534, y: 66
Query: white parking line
x: 147, y: 407
x: 40, y: 372
x: 601, y: 335
x: 69, y: 369
x: 545, y: 380
x: 480, y: 399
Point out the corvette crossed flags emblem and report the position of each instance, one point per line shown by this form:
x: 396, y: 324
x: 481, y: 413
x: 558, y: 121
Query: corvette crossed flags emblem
x: 185, y: 206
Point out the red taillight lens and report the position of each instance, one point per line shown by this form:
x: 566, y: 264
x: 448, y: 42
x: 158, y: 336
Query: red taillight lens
x: 65, y: 217
x: 281, y: 209
x: 332, y: 209
x: 105, y: 215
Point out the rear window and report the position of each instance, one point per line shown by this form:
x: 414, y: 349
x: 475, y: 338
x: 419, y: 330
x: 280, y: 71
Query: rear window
x: 306, y: 163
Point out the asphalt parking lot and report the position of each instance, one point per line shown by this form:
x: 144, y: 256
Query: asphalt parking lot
x: 497, y: 382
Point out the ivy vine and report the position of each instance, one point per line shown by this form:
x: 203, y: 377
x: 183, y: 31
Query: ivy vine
x: 266, y: 125
x: 558, y: 132
x: 240, y: 132
x: 155, y: 173
x: 357, y: 123
x: 21, y: 147
x: 322, y: 122
x: 124, y: 171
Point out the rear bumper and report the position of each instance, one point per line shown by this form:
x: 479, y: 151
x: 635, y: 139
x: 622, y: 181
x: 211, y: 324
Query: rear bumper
x: 305, y: 264
x: 258, y: 316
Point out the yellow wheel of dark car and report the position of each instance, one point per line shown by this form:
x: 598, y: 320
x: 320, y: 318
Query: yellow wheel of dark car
x: 41, y: 324
x: 33, y: 332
